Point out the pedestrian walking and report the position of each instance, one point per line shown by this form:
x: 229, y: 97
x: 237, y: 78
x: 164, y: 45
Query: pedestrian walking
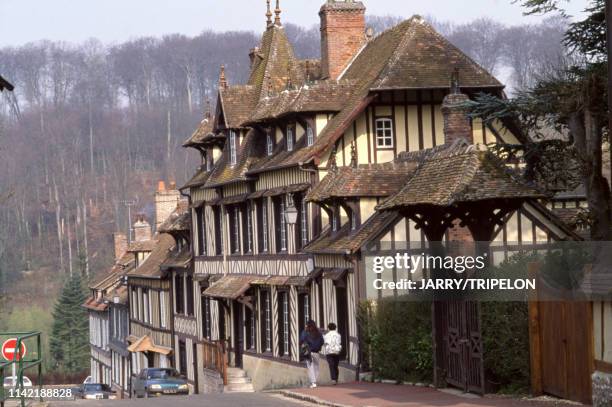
x: 332, y: 347
x: 311, y: 342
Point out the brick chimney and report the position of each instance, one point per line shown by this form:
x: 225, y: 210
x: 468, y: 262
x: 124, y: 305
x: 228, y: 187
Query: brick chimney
x: 456, y: 120
x: 166, y: 200
x: 121, y: 245
x: 142, y: 229
x: 342, y: 34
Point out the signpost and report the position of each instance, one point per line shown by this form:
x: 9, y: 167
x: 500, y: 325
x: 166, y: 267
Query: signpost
x: 9, y: 352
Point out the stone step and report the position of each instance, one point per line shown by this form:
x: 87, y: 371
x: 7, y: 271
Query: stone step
x: 239, y: 388
x: 238, y: 380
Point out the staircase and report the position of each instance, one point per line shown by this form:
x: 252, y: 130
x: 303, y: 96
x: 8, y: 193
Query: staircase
x: 238, y: 381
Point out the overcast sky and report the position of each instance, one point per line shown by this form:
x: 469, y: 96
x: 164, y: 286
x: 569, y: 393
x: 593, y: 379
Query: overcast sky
x: 22, y: 21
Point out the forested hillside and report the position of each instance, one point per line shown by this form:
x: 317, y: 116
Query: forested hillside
x: 91, y: 126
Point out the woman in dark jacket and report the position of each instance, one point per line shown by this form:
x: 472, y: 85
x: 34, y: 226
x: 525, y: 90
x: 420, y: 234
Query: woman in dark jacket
x: 311, y: 341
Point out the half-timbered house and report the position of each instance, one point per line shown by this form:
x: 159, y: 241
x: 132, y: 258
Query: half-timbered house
x: 299, y: 163
x: 108, y: 322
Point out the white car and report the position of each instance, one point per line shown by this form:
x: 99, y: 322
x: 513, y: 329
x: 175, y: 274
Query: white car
x: 11, y: 381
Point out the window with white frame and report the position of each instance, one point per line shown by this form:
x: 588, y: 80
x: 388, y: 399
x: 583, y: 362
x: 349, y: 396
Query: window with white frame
x: 145, y: 301
x: 285, y: 322
x: 304, y: 222
x: 248, y: 227
x: 289, y: 138
x: 267, y: 321
x: 309, y: 135
x: 384, y: 133
x: 235, y: 229
x: 281, y: 224
x: 162, y: 310
x: 269, y: 143
x: 263, y: 230
x: 232, y: 142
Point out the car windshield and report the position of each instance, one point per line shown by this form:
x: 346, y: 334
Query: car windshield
x: 8, y: 380
x: 94, y: 387
x: 162, y: 374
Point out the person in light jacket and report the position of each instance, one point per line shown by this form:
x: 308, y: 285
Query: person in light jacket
x: 311, y: 342
x: 332, y: 347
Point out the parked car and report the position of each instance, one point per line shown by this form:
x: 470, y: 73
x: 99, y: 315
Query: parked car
x: 11, y: 381
x: 94, y: 391
x: 158, y: 381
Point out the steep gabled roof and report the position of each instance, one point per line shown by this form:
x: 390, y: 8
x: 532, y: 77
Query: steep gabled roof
x: 413, y: 55
x: 151, y: 267
x: 275, y: 63
x: 200, y: 178
x: 237, y: 103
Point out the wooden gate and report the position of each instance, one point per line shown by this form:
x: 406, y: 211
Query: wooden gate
x: 561, y: 349
x: 461, y: 339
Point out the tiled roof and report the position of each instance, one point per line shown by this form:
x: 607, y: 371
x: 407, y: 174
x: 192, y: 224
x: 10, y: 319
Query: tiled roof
x: 4, y: 84
x: 120, y: 292
x: 412, y: 55
x: 199, y: 179
x: 178, y: 221
x: 203, y: 133
x: 460, y: 174
x: 247, y: 154
x: 151, y: 267
x: 367, y: 180
x: 179, y: 259
x: 141, y: 246
x: 94, y: 305
x: 119, y: 269
x: 346, y: 242
x: 327, y: 96
x: 231, y: 286
x: 274, y: 62
x: 237, y: 102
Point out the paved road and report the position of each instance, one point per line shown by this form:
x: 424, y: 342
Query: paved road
x: 208, y: 400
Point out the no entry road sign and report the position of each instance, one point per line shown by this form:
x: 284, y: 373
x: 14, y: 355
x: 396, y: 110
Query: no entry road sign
x: 9, y: 351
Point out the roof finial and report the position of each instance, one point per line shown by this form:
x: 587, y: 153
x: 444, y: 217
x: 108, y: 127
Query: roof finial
x: 222, y: 79
x: 454, y: 82
x: 268, y: 14
x: 277, y: 12
x: 353, y: 154
x: 208, y: 113
x: 333, y: 165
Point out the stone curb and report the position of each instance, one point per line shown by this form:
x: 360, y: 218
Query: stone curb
x: 310, y: 399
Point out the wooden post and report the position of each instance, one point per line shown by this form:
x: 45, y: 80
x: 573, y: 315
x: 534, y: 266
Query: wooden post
x: 535, y: 340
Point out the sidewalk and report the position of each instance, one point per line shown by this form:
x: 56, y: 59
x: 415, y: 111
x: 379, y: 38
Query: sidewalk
x: 365, y: 394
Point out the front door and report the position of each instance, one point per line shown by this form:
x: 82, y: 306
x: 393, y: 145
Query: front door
x: 238, y: 339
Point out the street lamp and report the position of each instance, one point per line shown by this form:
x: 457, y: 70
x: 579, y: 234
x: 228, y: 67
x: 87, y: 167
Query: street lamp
x: 291, y: 213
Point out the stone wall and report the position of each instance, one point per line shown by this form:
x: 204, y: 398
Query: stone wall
x: 602, y: 389
x: 268, y: 374
x: 210, y: 381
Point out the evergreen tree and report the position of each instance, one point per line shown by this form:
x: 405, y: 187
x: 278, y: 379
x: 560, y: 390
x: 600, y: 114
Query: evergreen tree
x: 69, y: 342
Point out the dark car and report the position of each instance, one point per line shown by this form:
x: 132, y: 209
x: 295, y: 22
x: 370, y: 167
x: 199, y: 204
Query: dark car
x: 158, y: 381
x: 94, y: 391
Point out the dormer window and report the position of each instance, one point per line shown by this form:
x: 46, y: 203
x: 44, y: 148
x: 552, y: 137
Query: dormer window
x: 384, y: 133
x: 290, y: 140
x: 209, y: 161
x: 232, y: 146
x: 309, y: 135
x: 335, y: 221
x: 269, y: 143
x: 353, y: 220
